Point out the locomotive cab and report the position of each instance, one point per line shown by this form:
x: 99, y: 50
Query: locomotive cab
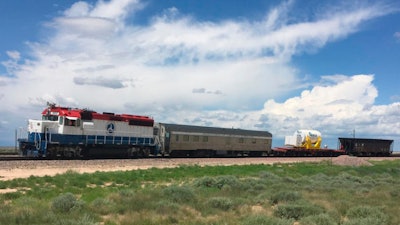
x: 70, y: 125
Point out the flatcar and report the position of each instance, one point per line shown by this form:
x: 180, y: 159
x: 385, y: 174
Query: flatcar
x: 305, y: 143
x: 73, y: 133
x: 187, y: 140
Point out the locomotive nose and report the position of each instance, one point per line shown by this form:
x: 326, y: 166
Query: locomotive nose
x: 35, y: 126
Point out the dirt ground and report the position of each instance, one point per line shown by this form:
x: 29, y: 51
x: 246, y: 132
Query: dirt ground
x: 23, y: 169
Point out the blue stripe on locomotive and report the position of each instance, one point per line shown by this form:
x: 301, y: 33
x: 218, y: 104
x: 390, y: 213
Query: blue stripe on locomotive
x: 64, y: 139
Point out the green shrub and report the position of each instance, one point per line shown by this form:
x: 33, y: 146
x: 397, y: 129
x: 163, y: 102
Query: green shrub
x: 24, y: 214
x: 226, y: 182
x: 25, y: 210
x: 321, y: 219
x: 366, y: 215
x: 166, y: 207
x: 261, y: 198
x: 12, y: 195
x: 386, y: 178
x: 102, y: 206
x: 269, y: 176
x: 289, y: 180
x: 205, y: 182
x: 349, y: 181
x: 285, y: 196
x: 253, y: 186
x: 297, y: 211
x: 179, y: 194
x: 126, y: 193
x: 222, y: 203
x: 65, y: 203
x: 365, y: 211
x: 321, y: 177
x: 394, y: 193
x: 259, y: 219
x: 365, y: 221
x: 84, y: 220
x: 258, y: 188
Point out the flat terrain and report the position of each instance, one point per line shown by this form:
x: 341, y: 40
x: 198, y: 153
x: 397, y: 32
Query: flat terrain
x: 23, y: 169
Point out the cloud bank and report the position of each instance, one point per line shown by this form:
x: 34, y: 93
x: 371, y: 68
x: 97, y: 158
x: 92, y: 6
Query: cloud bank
x: 180, y: 69
x: 337, y: 107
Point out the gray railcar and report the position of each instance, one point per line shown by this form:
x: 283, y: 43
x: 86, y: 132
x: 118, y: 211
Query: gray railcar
x: 186, y: 140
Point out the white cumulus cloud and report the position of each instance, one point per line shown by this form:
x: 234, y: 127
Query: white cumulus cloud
x: 334, y: 108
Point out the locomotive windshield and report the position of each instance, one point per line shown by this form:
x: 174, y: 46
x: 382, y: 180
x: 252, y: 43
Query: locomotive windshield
x: 50, y: 117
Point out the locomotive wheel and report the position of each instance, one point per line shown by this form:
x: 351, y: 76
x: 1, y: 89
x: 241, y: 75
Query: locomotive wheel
x: 85, y: 153
x: 145, y: 153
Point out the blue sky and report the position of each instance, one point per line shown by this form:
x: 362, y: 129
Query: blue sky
x: 268, y: 65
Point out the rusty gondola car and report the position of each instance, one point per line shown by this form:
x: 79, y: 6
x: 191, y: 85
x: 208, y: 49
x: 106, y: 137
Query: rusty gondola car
x: 366, y: 146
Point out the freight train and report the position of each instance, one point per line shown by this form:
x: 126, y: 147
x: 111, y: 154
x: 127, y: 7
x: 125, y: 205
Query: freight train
x: 65, y: 132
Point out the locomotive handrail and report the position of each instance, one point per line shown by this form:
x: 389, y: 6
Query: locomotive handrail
x: 46, y: 131
x: 38, y: 143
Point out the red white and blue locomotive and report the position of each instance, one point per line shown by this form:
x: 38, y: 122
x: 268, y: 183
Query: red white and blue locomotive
x: 74, y: 133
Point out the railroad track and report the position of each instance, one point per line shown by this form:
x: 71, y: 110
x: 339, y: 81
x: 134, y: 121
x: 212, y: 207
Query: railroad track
x: 16, y: 158
x: 25, y: 158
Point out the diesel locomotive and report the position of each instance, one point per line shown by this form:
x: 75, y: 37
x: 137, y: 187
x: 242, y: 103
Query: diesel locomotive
x: 72, y: 133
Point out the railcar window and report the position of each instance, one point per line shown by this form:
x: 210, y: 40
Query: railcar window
x: 185, y: 137
x: 196, y: 138
x: 61, y: 120
x: 254, y: 141
x: 241, y: 140
x: 176, y: 138
x: 205, y: 138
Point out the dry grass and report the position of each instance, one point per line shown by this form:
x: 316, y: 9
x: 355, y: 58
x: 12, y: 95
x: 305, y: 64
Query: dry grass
x: 8, y: 150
